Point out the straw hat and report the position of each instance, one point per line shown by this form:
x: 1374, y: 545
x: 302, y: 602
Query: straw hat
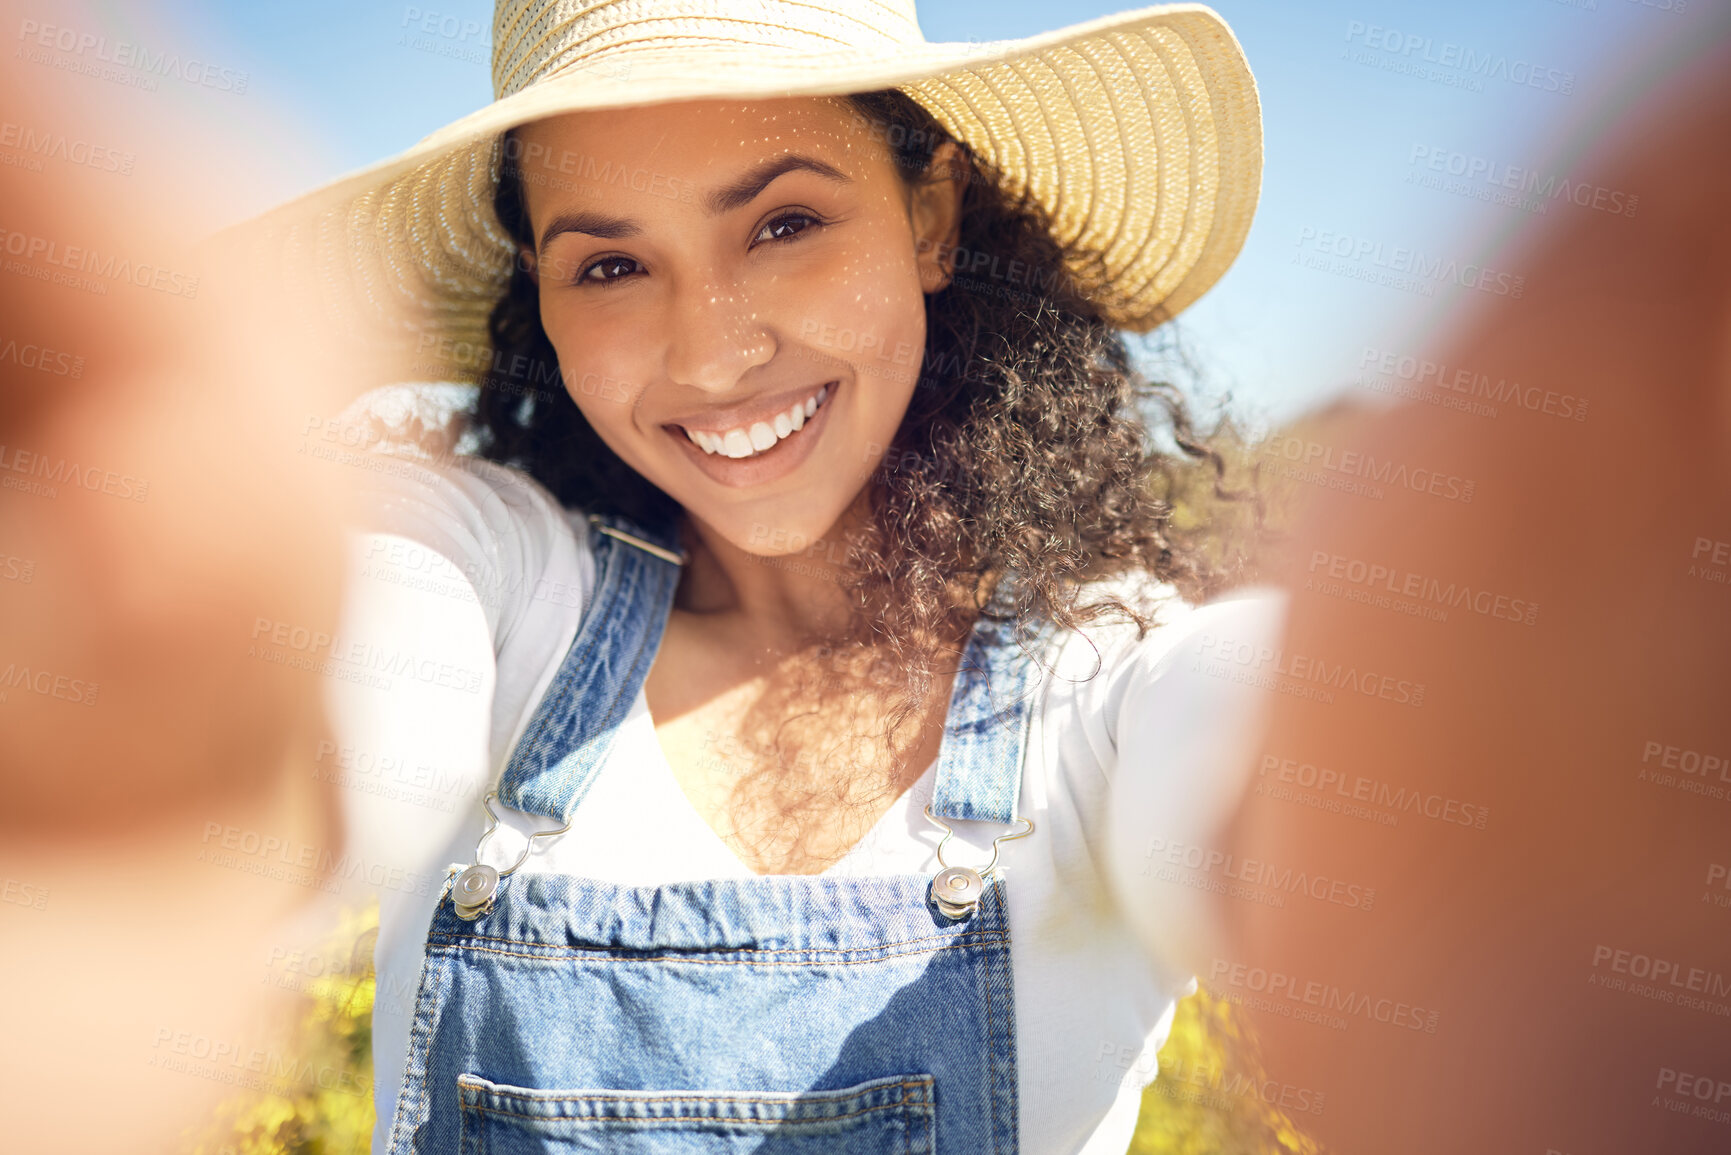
x: 1140, y: 134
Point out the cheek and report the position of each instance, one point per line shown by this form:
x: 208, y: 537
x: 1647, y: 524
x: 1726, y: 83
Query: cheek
x: 875, y: 324
x: 603, y: 400
x: 595, y: 370
x: 887, y: 355
x: 869, y: 285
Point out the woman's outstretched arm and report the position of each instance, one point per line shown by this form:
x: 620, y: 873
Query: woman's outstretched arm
x: 1547, y: 966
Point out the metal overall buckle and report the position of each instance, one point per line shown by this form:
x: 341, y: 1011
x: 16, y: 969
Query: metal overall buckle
x: 956, y: 890
x: 473, y: 892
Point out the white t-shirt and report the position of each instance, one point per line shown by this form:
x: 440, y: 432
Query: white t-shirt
x: 467, y: 591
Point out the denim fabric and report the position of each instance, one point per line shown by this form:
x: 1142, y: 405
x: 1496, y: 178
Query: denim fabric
x: 980, y: 761
x: 777, y: 1014
x: 573, y: 726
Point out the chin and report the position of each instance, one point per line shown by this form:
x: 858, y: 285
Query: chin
x: 769, y: 535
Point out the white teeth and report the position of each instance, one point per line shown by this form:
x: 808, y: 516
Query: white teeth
x: 761, y: 435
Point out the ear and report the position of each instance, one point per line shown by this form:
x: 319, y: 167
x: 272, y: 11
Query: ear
x: 935, y: 210
x: 526, y: 262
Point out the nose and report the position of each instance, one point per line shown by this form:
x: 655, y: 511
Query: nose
x: 715, y: 336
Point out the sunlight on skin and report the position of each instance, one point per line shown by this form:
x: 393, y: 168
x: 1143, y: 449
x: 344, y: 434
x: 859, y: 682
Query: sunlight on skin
x: 819, y: 278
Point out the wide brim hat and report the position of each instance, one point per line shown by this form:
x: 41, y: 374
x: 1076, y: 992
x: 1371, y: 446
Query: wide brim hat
x: 1139, y: 134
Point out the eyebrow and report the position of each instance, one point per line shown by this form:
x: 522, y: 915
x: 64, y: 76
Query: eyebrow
x: 728, y: 197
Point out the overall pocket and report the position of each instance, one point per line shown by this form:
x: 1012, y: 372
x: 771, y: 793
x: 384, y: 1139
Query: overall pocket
x: 877, y: 1117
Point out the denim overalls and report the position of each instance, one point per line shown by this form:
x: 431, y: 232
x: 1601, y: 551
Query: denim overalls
x: 782, y: 1014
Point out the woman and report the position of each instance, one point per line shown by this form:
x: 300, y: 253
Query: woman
x: 839, y: 535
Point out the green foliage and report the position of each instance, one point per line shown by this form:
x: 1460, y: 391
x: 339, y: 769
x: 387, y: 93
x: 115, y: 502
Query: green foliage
x: 324, y: 1103
x: 1212, y: 1095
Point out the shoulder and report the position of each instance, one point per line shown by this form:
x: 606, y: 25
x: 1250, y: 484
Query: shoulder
x: 418, y: 477
x: 1107, y: 681
x: 1114, y: 648
x: 421, y: 453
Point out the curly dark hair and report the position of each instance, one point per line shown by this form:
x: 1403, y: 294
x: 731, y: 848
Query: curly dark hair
x: 1026, y: 451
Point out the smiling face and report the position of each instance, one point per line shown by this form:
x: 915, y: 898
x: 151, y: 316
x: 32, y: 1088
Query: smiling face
x: 736, y: 295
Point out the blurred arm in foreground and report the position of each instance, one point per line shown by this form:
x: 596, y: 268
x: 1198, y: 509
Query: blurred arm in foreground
x: 156, y: 766
x: 1516, y: 927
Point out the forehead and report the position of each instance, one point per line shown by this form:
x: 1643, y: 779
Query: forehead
x: 674, y: 150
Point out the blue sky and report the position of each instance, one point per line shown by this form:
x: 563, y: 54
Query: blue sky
x: 1349, y: 128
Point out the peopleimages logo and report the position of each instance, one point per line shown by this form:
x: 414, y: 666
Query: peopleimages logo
x: 88, y: 46
x: 1487, y: 179
x: 1358, y: 788
x: 1328, y: 569
x: 29, y: 248
x: 1254, y: 663
x: 43, y: 474
x: 1312, y: 459
x: 1407, y: 267
x: 1285, y: 992
x: 40, y: 358
x: 1425, y: 374
x: 301, y: 647
x: 40, y: 143
x: 47, y: 683
x: 1412, y: 49
x: 1254, y: 872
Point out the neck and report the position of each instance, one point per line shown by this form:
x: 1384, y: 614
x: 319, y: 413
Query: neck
x: 780, y: 602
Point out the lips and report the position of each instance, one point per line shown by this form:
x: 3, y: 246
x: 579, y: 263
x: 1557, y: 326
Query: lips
x: 726, y: 430
x: 746, y: 440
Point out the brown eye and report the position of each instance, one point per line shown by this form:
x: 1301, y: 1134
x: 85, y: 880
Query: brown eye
x: 609, y: 269
x: 786, y: 226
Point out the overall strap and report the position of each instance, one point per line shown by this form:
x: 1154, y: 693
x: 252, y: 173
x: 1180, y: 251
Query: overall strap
x: 636, y: 573
x: 979, y: 773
